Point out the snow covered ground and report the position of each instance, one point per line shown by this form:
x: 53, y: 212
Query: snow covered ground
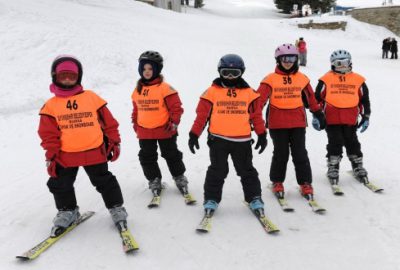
x: 359, y: 230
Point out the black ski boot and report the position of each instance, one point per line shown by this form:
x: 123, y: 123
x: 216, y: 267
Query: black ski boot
x: 359, y: 172
x: 155, y: 186
x: 333, y: 169
x: 182, y: 184
x: 119, y: 215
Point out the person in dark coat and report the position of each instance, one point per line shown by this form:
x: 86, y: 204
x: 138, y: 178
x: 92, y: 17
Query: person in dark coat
x: 198, y: 3
x: 385, y: 48
x: 393, y: 48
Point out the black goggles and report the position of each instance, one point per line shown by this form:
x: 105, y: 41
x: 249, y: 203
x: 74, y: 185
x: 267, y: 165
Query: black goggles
x: 230, y: 73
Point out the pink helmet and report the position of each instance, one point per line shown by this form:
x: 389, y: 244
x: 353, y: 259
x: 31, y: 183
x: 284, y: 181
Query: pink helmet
x: 286, y: 49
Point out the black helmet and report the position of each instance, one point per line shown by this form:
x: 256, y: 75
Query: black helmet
x: 62, y: 58
x: 231, y: 61
x: 152, y: 56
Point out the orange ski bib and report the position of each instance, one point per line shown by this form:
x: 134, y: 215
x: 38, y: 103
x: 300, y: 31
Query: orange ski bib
x: 230, y: 114
x: 152, y: 110
x: 342, y: 89
x: 286, y: 89
x: 77, y: 120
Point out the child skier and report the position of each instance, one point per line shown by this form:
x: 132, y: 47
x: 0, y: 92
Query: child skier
x: 231, y: 108
x: 344, y: 96
x: 302, y: 48
x: 157, y: 111
x: 289, y: 93
x: 77, y: 129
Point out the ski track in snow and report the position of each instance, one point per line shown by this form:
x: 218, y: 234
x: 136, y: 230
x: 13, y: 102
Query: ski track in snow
x: 358, y: 231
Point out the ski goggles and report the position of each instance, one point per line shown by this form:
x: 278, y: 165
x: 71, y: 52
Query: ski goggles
x: 341, y: 62
x: 230, y: 73
x: 66, y: 75
x: 288, y: 58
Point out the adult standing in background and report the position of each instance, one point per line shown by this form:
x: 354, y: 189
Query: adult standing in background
x: 393, y: 48
x: 198, y: 3
x: 385, y: 48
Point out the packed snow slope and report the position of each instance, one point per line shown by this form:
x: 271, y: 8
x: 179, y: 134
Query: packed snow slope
x: 359, y: 230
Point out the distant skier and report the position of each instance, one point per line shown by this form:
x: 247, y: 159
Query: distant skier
x: 344, y: 96
x: 77, y: 129
x: 393, y: 48
x: 157, y: 111
x: 302, y: 48
x: 231, y: 108
x: 289, y: 92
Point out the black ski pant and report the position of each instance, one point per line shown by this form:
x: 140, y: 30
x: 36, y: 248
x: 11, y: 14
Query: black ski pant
x: 242, y: 158
x: 290, y: 140
x: 169, y: 151
x: 342, y: 135
x: 394, y: 55
x: 105, y: 182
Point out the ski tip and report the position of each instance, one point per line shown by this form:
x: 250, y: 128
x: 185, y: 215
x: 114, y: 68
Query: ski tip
x: 273, y: 232
x: 288, y: 210
x: 320, y: 211
x: 376, y: 189
x: 155, y: 202
x: 23, y: 258
x: 191, y: 203
x: 202, y: 231
x: 338, y: 193
x: 132, y: 250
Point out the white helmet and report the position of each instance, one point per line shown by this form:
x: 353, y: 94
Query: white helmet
x: 341, y: 61
x: 340, y: 54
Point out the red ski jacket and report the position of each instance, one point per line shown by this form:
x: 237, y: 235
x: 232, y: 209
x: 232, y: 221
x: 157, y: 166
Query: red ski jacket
x: 50, y: 133
x: 344, y: 116
x: 175, y: 111
x: 302, y: 47
x: 205, y: 107
x: 277, y: 118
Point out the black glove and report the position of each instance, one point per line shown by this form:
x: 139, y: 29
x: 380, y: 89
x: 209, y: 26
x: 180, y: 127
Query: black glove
x: 320, y: 116
x: 261, y: 142
x: 193, y: 142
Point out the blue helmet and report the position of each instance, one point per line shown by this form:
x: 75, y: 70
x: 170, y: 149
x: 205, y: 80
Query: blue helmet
x: 233, y: 61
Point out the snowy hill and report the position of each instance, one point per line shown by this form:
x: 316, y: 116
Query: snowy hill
x: 359, y: 230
